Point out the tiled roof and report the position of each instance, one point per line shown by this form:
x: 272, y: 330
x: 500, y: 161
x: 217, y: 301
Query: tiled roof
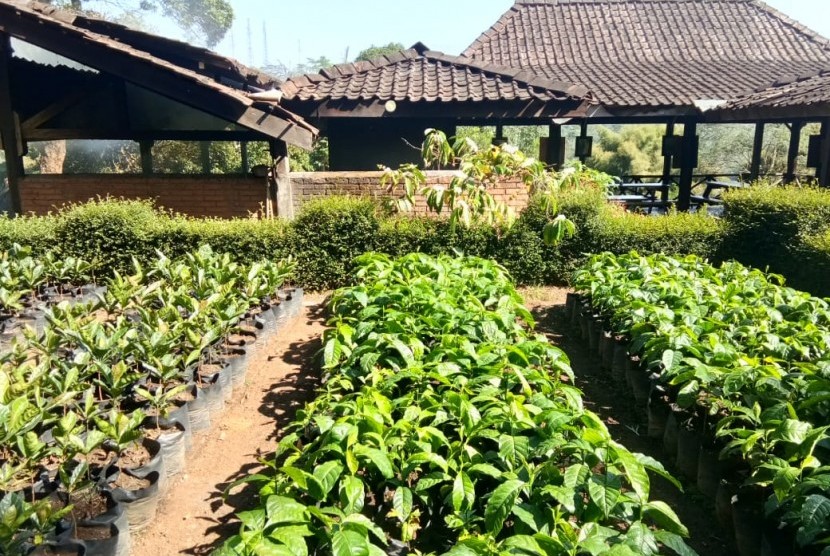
x: 799, y: 92
x: 62, y: 24
x: 419, y: 74
x: 653, y: 52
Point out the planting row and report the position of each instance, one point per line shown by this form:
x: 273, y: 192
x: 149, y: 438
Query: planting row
x: 98, y: 409
x: 734, y: 369
x: 446, y: 427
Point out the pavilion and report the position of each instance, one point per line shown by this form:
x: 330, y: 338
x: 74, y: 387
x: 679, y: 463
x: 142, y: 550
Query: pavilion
x: 666, y: 62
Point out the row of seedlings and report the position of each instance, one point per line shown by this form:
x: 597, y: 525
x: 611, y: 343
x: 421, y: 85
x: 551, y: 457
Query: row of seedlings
x: 29, y: 285
x: 97, y: 411
x: 734, y: 370
x: 445, y: 426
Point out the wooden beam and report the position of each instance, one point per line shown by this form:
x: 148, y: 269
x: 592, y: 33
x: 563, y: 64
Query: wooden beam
x: 10, y: 128
x: 127, y: 135
x: 667, y: 165
x: 281, y: 174
x: 688, y: 156
x: 823, y: 170
x: 792, y: 152
x: 110, y: 58
x: 146, y: 148
x: 583, y: 133
x: 757, y: 149
x: 556, y: 147
x: 54, y: 109
x: 204, y: 156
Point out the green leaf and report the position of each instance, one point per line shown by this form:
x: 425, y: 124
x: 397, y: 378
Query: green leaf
x: 663, y: 516
x: 462, y: 491
x: 281, y: 509
x: 674, y: 542
x: 352, y: 495
x: 378, y: 458
x: 605, y: 492
x: 634, y: 470
x: 349, y: 543
x: 501, y: 504
x: 402, y: 502
x: 326, y: 476
x: 292, y: 536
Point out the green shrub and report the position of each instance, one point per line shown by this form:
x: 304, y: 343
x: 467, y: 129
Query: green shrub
x: 328, y: 234
x: 108, y: 232
x: 813, y: 268
x: 766, y: 226
x: 38, y: 232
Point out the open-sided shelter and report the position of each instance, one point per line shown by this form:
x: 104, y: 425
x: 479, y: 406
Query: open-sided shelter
x: 112, y: 82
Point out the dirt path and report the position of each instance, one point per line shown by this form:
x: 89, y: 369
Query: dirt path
x: 626, y: 423
x: 192, y: 518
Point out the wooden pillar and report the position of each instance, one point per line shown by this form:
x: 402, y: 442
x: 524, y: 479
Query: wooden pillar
x: 757, y: 148
x: 688, y: 161
x: 667, y: 165
x: 499, y: 138
x: 10, y: 128
x: 792, y: 153
x: 146, y: 149
x: 556, y: 147
x: 204, y: 149
x: 246, y: 162
x: 823, y: 170
x: 583, y: 133
x: 281, y: 174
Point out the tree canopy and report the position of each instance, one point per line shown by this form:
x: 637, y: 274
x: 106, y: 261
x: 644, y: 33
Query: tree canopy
x: 204, y: 21
x: 377, y: 51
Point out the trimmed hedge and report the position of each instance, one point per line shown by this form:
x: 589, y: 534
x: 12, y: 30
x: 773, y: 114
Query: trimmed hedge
x: 775, y: 228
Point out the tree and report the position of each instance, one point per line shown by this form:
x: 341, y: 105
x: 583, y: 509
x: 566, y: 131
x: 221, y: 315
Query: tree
x: 204, y: 21
x: 377, y: 51
x: 629, y: 150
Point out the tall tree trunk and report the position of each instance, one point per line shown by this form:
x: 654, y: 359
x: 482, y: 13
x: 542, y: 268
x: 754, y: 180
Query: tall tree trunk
x: 53, y: 157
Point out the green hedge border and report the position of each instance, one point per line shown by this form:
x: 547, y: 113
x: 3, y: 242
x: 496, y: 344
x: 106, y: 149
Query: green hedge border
x: 785, y: 230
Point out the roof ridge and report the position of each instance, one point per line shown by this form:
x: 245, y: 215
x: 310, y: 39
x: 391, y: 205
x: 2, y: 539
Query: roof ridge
x: 797, y: 25
x: 495, y: 28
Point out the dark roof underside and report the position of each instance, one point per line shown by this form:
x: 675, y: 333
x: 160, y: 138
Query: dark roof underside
x: 653, y: 52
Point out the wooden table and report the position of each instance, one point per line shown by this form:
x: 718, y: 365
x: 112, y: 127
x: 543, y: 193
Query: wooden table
x: 713, y: 185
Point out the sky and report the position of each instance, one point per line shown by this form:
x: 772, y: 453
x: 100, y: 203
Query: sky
x: 314, y: 28
x: 298, y: 30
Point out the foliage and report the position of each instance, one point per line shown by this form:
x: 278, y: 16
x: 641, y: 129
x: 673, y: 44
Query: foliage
x: 107, y: 234
x: 479, y: 170
x: 745, y: 354
x: 204, y: 21
x: 327, y: 235
x: 374, y: 52
x: 767, y: 227
x: 627, y: 150
x: 446, y: 427
x: 315, y: 160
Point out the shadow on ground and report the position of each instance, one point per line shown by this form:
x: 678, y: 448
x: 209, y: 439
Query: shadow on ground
x: 280, y: 402
x: 628, y: 425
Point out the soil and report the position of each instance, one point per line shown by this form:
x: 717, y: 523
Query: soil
x: 192, y: 518
x: 134, y: 457
x: 99, y: 533
x: 626, y: 422
x: 88, y: 504
x: 130, y: 483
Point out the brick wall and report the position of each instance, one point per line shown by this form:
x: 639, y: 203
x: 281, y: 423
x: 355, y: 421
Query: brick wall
x: 217, y: 196
x: 220, y: 196
x: 313, y: 185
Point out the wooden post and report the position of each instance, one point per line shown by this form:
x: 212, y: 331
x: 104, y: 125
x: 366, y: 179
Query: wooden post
x: 583, y: 132
x: 204, y: 148
x: 282, y: 179
x: 792, y: 153
x: 823, y: 170
x: 246, y: 162
x: 146, y: 148
x: 10, y: 128
x: 667, y: 166
x: 688, y: 159
x: 757, y: 148
x: 556, y: 151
